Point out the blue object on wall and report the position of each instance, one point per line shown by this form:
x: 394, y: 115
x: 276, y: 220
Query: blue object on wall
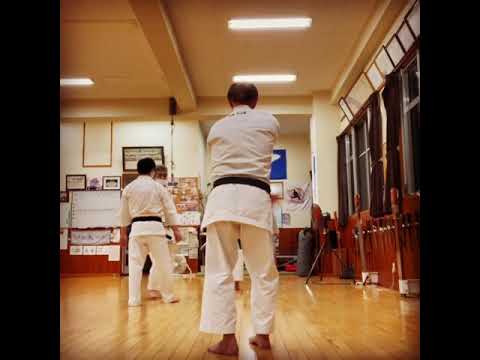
x: 279, y: 165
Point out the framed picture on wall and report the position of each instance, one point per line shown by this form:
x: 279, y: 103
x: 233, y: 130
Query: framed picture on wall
x: 64, y: 196
x: 279, y: 165
x: 395, y: 50
x: 131, y: 155
x: 111, y: 182
x: 276, y: 189
x: 76, y: 182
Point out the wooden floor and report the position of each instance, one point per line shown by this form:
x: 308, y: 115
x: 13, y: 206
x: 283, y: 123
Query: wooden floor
x: 318, y: 322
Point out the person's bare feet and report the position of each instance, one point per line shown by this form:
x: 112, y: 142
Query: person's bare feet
x: 173, y: 300
x: 227, y: 346
x: 154, y: 294
x: 262, y: 341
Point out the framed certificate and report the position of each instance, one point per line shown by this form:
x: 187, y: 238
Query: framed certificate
x: 395, y: 50
x: 346, y: 109
x: 131, y: 155
x: 406, y: 36
x: 375, y: 77
x: 383, y: 62
x: 76, y: 182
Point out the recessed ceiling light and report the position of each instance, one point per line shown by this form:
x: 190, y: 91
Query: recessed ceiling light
x: 267, y: 24
x: 273, y: 78
x: 76, y: 82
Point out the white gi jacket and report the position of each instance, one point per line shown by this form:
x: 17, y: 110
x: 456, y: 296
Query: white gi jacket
x: 241, y: 144
x: 146, y: 197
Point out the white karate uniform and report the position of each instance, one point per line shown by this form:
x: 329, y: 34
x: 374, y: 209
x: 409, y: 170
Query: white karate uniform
x: 241, y: 144
x: 145, y: 197
x: 238, y: 269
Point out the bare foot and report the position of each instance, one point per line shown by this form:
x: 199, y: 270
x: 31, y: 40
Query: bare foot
x: 154, y: 294
x: 173, y: 300
x: 227, y: 346
x: 262, y: 341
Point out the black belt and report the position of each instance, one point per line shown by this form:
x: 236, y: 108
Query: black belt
x: 147, y: 218
x: 242, y: 180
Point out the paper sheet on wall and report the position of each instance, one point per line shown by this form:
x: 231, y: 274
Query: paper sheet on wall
x: 89, y: 250
x: 102, y: 250
x: 92, y: 209
x: 298, y: 198
x: 90, y: 237
x: 114, y: 253
x: 63, y: 239
x: 64, y: 215
x: 76, y: 250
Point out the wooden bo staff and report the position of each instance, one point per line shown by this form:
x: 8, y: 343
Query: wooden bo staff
x: 397, y: 232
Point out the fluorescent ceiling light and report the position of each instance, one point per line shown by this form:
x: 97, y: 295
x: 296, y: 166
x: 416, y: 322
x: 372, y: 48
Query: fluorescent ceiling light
x: 265, y: 24
x: 277, y: 78
x: 76, y: 82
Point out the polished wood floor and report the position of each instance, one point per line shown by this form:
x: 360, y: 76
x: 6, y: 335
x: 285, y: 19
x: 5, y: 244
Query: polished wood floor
x: 318, y: 322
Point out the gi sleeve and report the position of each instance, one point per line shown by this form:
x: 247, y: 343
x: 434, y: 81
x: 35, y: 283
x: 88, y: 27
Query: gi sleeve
x: 125, y: 216
x: 169, y: 209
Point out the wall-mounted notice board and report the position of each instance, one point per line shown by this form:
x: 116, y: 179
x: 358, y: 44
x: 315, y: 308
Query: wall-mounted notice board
x: 94, y: 209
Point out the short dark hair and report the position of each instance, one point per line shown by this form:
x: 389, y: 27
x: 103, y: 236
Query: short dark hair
x: 145, y: 166
x: 242, y: 93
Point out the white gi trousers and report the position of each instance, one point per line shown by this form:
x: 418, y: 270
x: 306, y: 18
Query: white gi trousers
x: 218, y: 303
x: 238, y: 269
x: 160, y: 277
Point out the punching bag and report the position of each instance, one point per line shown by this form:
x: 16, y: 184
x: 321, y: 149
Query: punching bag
x: 305, y: 252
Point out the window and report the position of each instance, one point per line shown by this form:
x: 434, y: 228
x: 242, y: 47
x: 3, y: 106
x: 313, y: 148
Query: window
x: 411, y: 124
x: 358, y: 163
x: 350, y: 173
x: 363, y: 161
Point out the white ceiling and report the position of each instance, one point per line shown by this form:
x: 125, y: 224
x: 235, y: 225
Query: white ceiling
x: 102, y: 40
x: 213, y: 53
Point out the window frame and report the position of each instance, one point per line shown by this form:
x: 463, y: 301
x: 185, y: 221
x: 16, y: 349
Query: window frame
x: 407, y: 137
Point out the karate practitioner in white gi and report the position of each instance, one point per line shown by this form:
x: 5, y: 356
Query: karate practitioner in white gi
x: 143, y: 203
x: 240, y: 207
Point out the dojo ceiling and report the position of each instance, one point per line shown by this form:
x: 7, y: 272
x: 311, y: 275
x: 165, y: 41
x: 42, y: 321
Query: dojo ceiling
x: 120, y: 44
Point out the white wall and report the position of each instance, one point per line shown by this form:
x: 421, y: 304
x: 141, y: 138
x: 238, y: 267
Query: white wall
x: 298, y: 172
x: 324, y: 129
x: 188, y: 146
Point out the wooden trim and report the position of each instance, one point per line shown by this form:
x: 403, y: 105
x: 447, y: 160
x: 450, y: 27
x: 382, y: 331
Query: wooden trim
x: 111, y: 148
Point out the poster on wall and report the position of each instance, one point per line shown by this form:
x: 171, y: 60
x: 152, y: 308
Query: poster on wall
x: 299, y: 197
x: 279, y: 165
